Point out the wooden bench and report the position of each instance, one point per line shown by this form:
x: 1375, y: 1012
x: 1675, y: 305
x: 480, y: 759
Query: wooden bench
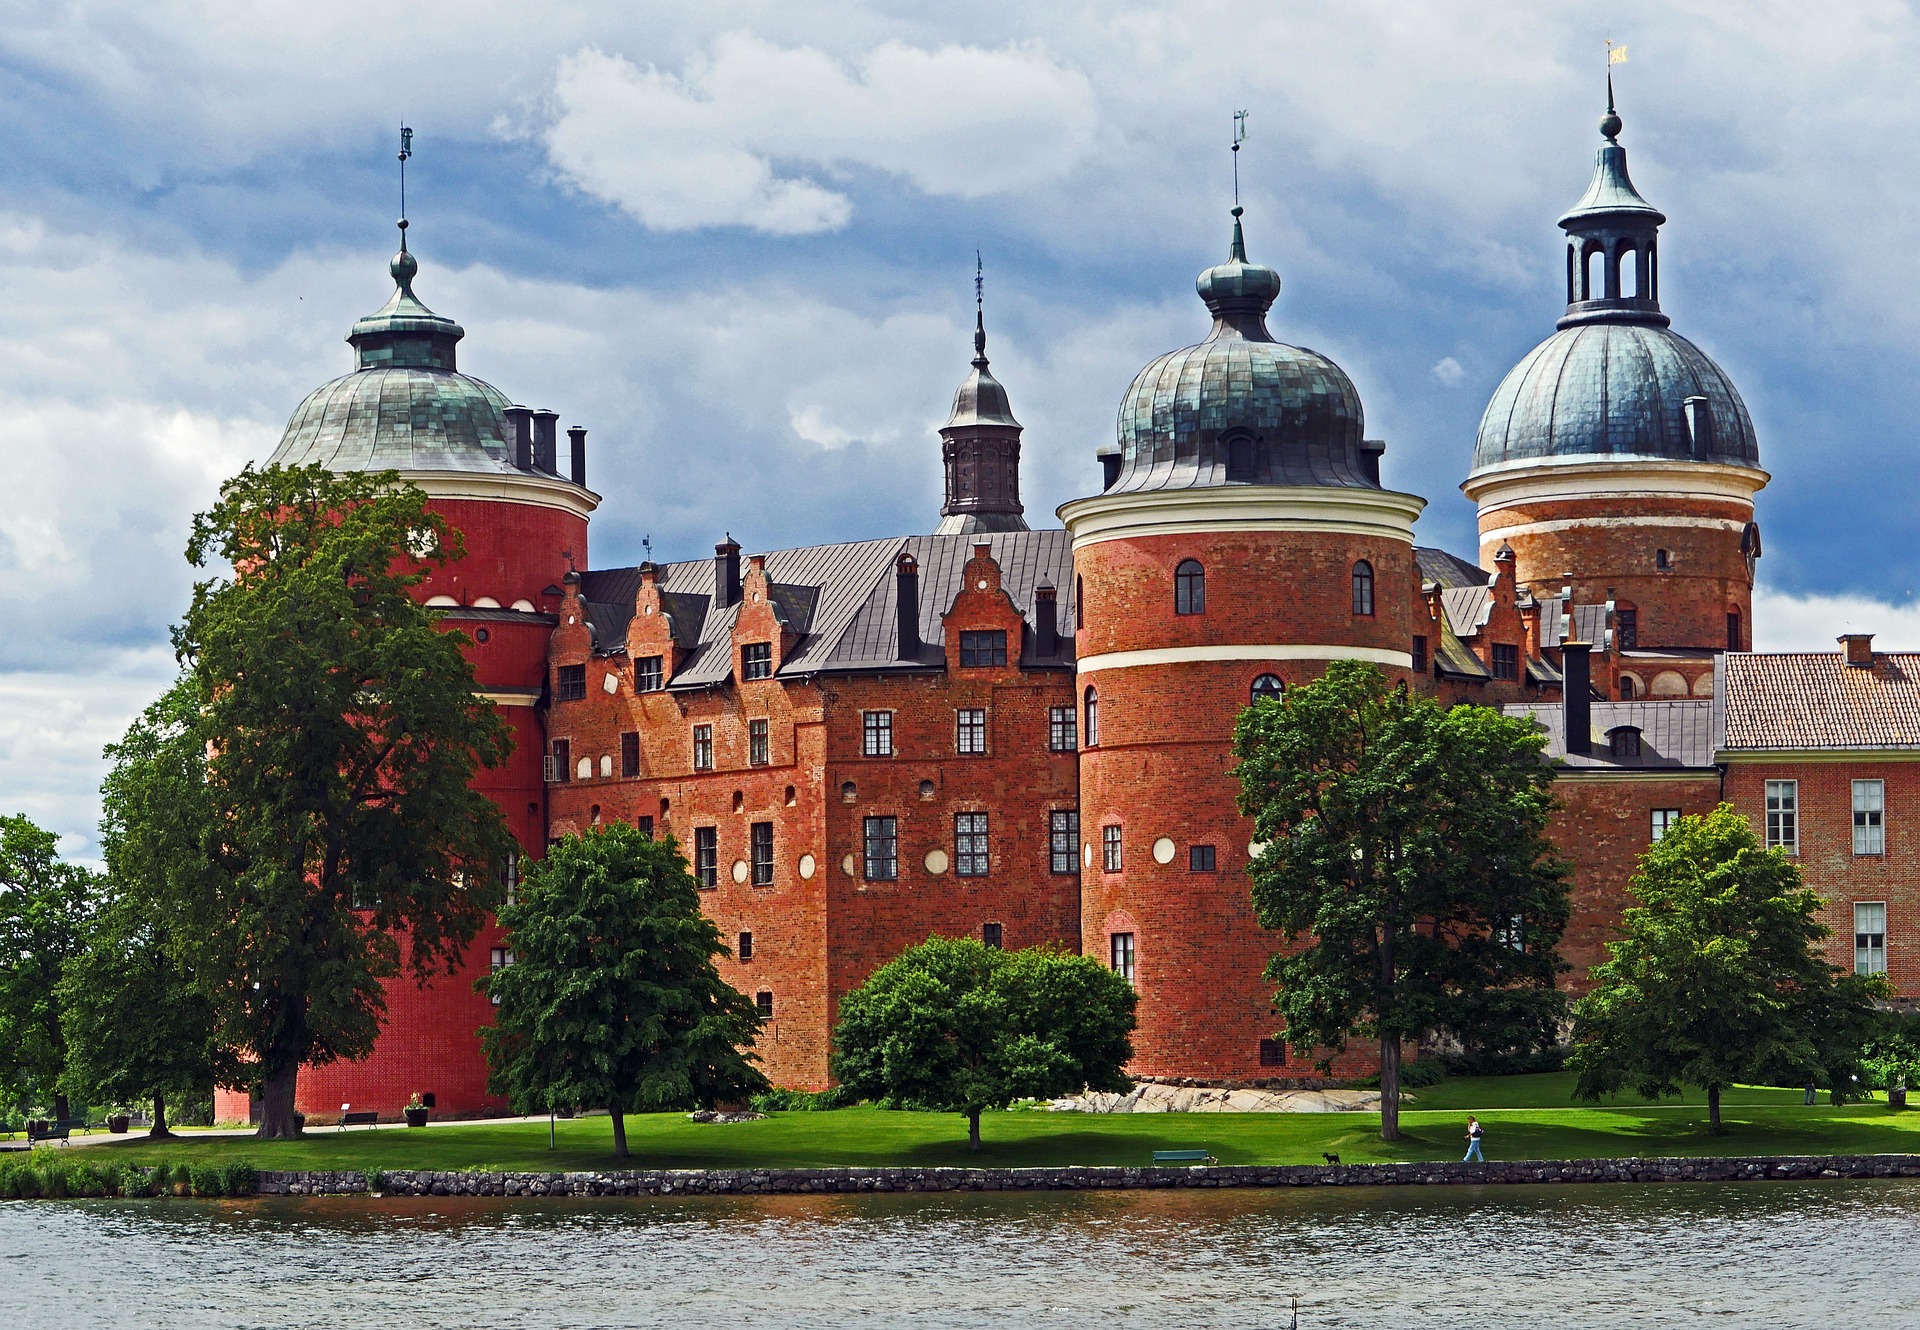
x: 52, y: 1131
x: 366, y: 1119
x: 1183, y: 1157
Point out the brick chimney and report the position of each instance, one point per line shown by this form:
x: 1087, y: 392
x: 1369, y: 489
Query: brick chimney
x: 1859, y: 649
x: 1046, y: 621
x: 546, y: 438
x: 726, y: 574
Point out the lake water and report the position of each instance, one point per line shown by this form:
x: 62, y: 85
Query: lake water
x: 1729, y: 1255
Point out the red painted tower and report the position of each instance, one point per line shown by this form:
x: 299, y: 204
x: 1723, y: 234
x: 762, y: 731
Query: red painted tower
x: 1242, y: 542
x: 493, y: 470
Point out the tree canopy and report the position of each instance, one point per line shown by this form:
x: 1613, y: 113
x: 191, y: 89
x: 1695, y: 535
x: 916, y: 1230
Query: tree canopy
x: 46, y: 906
x: 958, y: 1027
x: 1405, y: 858
x: 1720, y: 976
x: 613, y: 1000
x: 300, y: 799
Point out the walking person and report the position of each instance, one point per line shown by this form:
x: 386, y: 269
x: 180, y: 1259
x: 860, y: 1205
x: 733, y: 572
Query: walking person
x: 1474, y: 1134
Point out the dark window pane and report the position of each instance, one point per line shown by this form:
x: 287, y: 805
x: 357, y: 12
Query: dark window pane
x: 571, y: 683
x: 984, y: 648
x: 756, y: 660
x: 706, y: 856
x: 1200, y: 858
x: 760, y: 845
x: 630, y: 754
x: 648, y: 675
x: 1063, y: 840
x: 1189, y: 588
x: 882, y: 849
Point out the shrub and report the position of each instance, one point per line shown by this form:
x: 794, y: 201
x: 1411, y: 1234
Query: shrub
x: 83, y: 1179
x: 376, y: 1181
x: 1506, y: 1063
x: 239, y: 1178
x: 18, y: 1180
x: 803, y: 1101
x: 53, y: 1179
x: 205, y: 1179
x: 133, y: 1180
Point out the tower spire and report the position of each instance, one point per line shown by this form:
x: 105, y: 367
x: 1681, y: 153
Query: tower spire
x: 1237, y: 253
x: 979, y: 312
x: 406, y: 151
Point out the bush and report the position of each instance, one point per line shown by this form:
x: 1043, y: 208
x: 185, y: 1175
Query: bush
x: 18, y: 1180
x: 1414, y: 1075
x: 83, y: 1179
x: 132, y: 1180
x: 205, y: 1179
x: 803, y: 1101
x: 376, y: 1181
x: 1522, y: 1063
x: 239, y: 1179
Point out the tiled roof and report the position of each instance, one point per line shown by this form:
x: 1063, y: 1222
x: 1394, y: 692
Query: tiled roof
x: 1802, y: 700
x: 1673, y: 735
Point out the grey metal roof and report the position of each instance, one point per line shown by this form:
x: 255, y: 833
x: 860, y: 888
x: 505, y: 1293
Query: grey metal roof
x: 1673, y: 735
x: 1436, y: 565
x: 1466, y: 607
x: 1590, y: 622
x: 981, y: 400
x: 1611, y: 193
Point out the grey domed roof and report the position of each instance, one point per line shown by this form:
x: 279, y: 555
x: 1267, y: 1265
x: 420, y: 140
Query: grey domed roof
x: 1616, y: 389
x: 1240, y: 402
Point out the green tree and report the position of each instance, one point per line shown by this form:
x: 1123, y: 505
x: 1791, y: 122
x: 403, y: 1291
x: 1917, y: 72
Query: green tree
x: 1406, y: 853
x: 958, y: 1027
x: 45, y: 908
x: 135, y: 1027
x: 1719, y: 976
x: 299, y: 805
x: 613, y: 1000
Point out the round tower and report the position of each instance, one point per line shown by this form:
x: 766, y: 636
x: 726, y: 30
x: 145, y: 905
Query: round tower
x: 1242, y: 542
x: 1616, y: 456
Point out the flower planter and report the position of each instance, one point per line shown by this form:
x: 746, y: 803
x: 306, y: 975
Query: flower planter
x: 416, y: 1117
x: 1897, y: 1097
x: 118, y: 1124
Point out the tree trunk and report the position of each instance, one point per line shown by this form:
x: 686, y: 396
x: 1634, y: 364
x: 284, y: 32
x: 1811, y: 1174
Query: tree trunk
x: 276, y: 1104
x: 973, y: 1129
x: 61, y: 1108
x: 619, y: 1132
x: 1713, y: 1110
x: 159, y: 1115
x: 1390, y: 1087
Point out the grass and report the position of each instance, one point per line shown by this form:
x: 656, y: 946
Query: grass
x: 1526, y: 1117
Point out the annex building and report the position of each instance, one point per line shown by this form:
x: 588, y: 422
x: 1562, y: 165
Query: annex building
x: 1023, y: 734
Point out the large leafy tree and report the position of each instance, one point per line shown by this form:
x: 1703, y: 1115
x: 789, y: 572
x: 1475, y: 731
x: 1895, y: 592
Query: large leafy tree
x: 296, y: 813
x: 1720, y: 976
x: 1405, y: 857
x: 958, y: 1027
x: 613, y: 1000
x: 45, y: 908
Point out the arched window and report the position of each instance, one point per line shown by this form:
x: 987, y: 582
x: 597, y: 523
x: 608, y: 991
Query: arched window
x: 1363, y: 587
x: 1628, y: 687
x: 1663, y: 560
x: 1628, y: 283
x: 1189, y: 588
x: 1092, y: 727
x: 1240, y: 457
x: 1593, y: 282
x: 1267, y: 686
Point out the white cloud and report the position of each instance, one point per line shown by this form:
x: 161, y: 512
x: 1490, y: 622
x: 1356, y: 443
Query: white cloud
x: 1783, y: 622
x: 708, y: 147
x: 1447, y: 371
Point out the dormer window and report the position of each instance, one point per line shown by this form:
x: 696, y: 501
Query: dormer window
x: 1624, y: 741
x: 981, y: 649
x: 756, y: 660
x: 1239, y: 448
x: 570, y: 683
x: 1626, y: 629
x: 1189, y: 588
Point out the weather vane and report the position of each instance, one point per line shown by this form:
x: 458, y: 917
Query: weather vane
x: 979, y: 280
x: 406, y: 151
x: 1239, y: 137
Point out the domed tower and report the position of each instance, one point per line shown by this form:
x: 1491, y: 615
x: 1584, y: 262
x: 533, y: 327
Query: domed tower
x: 1242, y: 542
x: 491, y: 469
x: 980, y: 449
x: 1617, y: 456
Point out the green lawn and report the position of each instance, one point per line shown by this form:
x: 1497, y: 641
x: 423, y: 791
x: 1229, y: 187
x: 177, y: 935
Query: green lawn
x: 1527, y: 1117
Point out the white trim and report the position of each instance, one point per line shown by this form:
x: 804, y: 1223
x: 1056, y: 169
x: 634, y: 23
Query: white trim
x: 1490, y: 534
x: 1382, y: 514
x: 514, y: 697
x: 1126, y: 660
x: 1536, y: 480
x: 515, y: 487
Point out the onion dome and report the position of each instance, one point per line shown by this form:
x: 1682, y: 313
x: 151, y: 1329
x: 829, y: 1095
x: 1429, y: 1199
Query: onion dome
x: 405, y: 407
x: 1240, y: 407
x: 1615, y: 379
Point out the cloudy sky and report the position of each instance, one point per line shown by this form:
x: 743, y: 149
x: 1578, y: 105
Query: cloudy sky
x: 736, y: 241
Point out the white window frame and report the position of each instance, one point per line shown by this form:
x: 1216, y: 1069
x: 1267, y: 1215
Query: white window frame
x: 876, y: 734
x: 970, y: 731
x: 1110, y: 848
x: 1122, y: 955
x: 1783, y: 815
x: 1870, y: 817
x: 1869, y: 937
x: 1659, y: 822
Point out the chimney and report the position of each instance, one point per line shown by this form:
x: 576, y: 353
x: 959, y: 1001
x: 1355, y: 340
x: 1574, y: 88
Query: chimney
x: 1859, y: 649
x: 546, y: 429
x: 1370, y: 451
x: 1109, y: 467
x: 577, y: 436
x: 1577, y: 691
x: 520, y: 436
x: 726, y: 574
x: 1046, y: 621
x: 906, y: 604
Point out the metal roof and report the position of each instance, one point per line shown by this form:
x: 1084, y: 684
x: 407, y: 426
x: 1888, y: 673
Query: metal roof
x: 1467, y: 607
x: 1436, y: 565
x: 1673, y: 735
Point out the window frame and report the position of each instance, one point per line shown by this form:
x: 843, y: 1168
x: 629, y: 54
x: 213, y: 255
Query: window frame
x: 971, y: 845
x: 1063, y: 730
x: 1783, y: 815
x: 1123, y: 956
x: 970, y: 731
x: 649, y: 674
x: 569, y: 683
x: 876, y: 734
x: 756, y: 660
x: 993, y: 936
x: 976, y: 643
x: 760, y: 853
x: 1202, y: 859
x: 1419, y: 653
x: 1363, y: 584
x: 703, y: 748
x: 561, y: 753
x: 706, y: 857
x: 1090, y: 729
x: 1063, y: 840
x: 1503, y: 661
x: 1189, y: 587
x: 1277, y: 692
x: 1110, y: 848
x: 1626, y: 629
x: 759, y: 742
x: 643, y: 823
x: 629, y: 754
x: 743, y: 950
x: 1869, y: 956
x: 885, y: 865
x: 1870, y: 823
x: 1624, y: 741
x: 498, y: 959
x: 1660, y: 821
x: 763, y: 1004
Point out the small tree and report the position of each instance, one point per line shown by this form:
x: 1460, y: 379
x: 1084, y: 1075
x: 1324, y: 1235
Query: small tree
x: 958, y: 1027
x: 45, y: 909
x: 1719, y: 976
x: 613, y: 1000
x: 1405, y: 842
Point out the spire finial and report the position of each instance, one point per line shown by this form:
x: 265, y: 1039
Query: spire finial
x: 404, y: 265
x: 1610, y: 122
x: 979, y: 311
x: 1238, y: 252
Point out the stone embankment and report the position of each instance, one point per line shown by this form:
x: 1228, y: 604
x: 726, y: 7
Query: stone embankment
x: 788, y: 1181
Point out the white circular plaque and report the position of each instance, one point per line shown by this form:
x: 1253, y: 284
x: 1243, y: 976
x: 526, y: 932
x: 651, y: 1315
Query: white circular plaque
x: 739, y: 870
x: 1163, y: 851
x: 806, y: 868
x: 1086, y: 855
x: 936, y: 862
x: 846, y: 865
x: 1255, y: 848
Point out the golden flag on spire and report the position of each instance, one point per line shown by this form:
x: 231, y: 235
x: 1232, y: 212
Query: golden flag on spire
x: 1616, y: 55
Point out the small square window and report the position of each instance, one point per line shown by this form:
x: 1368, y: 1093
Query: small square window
x: 703, y: 748
x: 876, y: 729
x: 649, y: 676
x: 1110, y: 848
x: 758, y: 748
x: 756, y: 660
x: 1506, y: 661
x: 1869, y: 817
x: 1624, y: 741
x: 980, y: 649
x: 570, y: 683
x: 1120, y: 955
x: 630, y: 754
x: 760, y: 847
x: 644, y: 825
x: 1200, y: 858
x: 763, y: 1003
x: 882, y: 841
x: 970, y: 844
x: 1273, y: 1052
x: 1663, y: 821
x: 706, y: 856
x: 970, y: 730
x: 1061, y: 730
x: 990, y: 936
x: 745, y: 950
x: 1063, y: 840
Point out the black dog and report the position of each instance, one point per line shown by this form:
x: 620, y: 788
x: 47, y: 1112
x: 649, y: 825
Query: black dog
x: 1331, y: 1159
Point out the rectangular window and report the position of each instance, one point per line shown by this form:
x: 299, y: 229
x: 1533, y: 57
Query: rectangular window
x: 1063, y: 840
x: 763, y: 1003
x: 1783, y: 815
x: 757, y: 745
x: 1120, y: 955
x: 1733, y: 630
x: 644, y: 823
x: 983, y: 648
x: 1506, y: 661
x: 1061, y: 727
x: 703, y: 748
x: 630, y: 754
x: 745, y: 950
x: 1511, y: 932
x: 760, y: 846
x: 706, y: 856
x: 1110, y: 848
x: 510, y: 876
x: 648, y: 675
x: 876, y: 731
x: 1870, y: 937
x: 1200, y: 859
x: 1273, y: 1052
x: 560, y: 761
x: 1663, y: 820
x: 1626, y: 629
x: 970, y: 730
x: 1869, y: 817
x: 498, y: 959
x: 571, y: 683
x: 756, y: 660
x: 1419, y: 660
x: 990, y: 936
x: 970, y: 844
x: 883, y: 849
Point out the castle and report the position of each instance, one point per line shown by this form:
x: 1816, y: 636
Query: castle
x: 1024, y: 735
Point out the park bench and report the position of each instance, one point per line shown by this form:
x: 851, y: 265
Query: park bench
x: 366, y: 1119
x: 52, y: 1131
x: 1183, y: 1157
